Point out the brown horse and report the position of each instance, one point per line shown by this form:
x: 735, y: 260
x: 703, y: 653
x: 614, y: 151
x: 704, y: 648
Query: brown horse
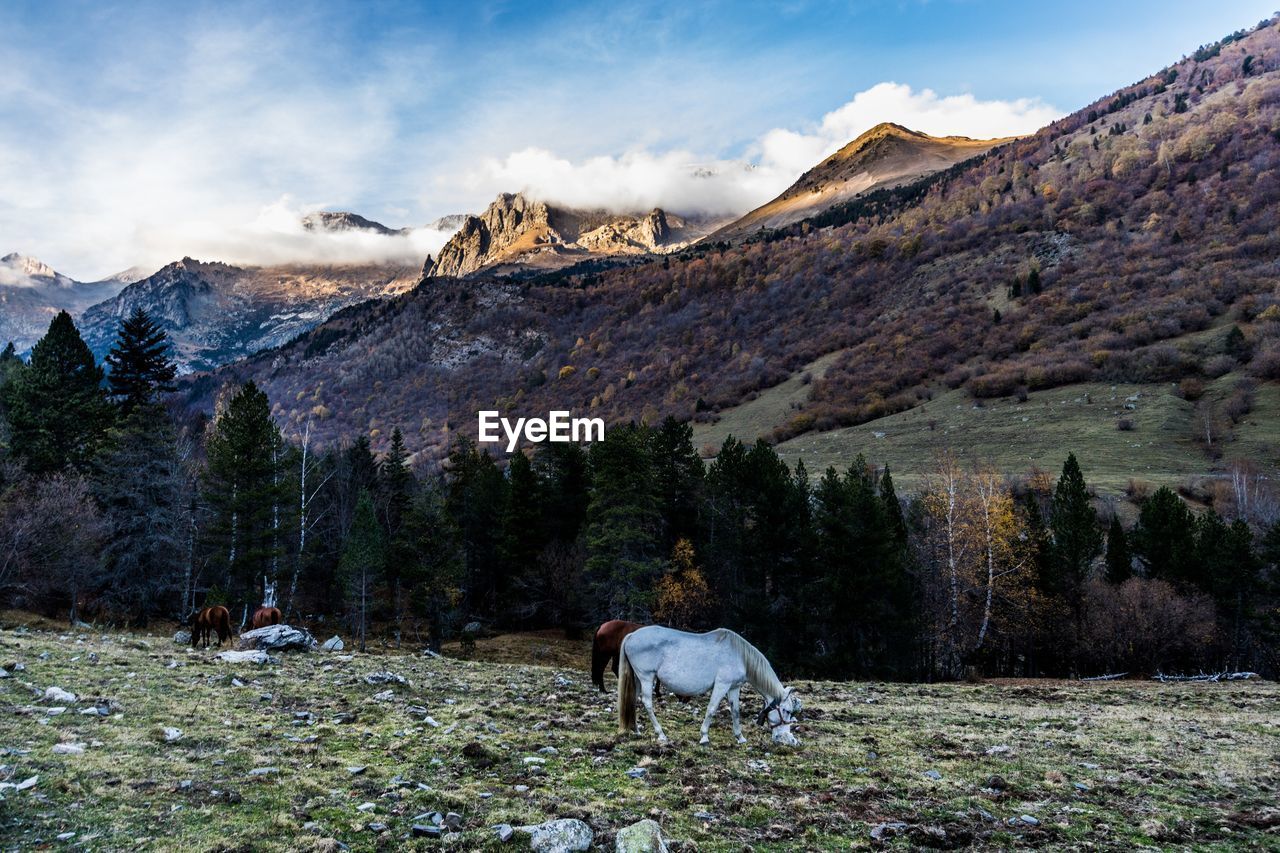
x: 264, y: 616
x: 605, y: 646
x: 217, y: 619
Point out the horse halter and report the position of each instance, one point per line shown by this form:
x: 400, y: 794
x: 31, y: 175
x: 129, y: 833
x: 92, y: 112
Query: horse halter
x: 776, y: 705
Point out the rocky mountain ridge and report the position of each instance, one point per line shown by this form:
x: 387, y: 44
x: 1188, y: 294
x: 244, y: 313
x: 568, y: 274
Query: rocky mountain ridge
x: 517, y: 233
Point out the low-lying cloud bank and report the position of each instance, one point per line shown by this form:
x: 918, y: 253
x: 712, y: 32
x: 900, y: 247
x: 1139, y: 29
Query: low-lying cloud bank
x: 681, y: 181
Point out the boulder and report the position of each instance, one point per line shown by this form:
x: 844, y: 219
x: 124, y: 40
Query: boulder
x: 278, y: 638
x: 182, y: 638
x: 57, y: 694
x: 256, y: 656
x: 333, y: 644
x: 564, y: 835
x: 642, y: 837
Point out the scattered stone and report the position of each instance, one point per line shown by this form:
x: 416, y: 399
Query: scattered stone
x: 57, y: 694
x: 642, y: 837
x: 505, y: 832
x: 548, y: 750
x: 887, y: 830
x: 933, y: 774
x: 4, y: 673
x: 55, y: 712
x: 278, y: 638
x: 384, y: 696
x: 564, y: 835
x: 707, y: 816
x: 265, y: 771
x: 255, y: 657
x: 423, y: 830
x: 182, y: 638
x: 1023, y: 820
x: 533, y: 759
x: 638, y: 772
x: 333, y: 644
x: 377, y: 827
x: 1081, y: 787
x: 999, y: 749
x: 68, y: 749
x: 453, y: 821
x: 65, y: 836
x: 472, y: 628
x: 20, y: 786
x: 385, y: 677
x: 521, y: 789
x: 357, y: 771
x: 366, y: 807
x: 171, y: 734
x: 996, y: 783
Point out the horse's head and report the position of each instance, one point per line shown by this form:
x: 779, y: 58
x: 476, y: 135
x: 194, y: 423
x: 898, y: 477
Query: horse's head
x: 780, y: 712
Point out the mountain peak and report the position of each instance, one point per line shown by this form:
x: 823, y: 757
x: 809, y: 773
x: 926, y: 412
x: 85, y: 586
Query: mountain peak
x: 29, y: 266
x: 343, y: 220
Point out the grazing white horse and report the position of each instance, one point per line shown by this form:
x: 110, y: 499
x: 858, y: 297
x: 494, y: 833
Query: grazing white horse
x: 690, y: 665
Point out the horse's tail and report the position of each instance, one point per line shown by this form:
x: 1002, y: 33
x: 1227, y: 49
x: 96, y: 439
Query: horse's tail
x: 626, y: 692
x: 599, y: 660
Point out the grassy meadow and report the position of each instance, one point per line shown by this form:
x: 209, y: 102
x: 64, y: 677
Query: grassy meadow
x: 307, y: 754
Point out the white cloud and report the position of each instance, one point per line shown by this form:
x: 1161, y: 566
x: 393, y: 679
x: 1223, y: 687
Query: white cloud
x: 684, y: 182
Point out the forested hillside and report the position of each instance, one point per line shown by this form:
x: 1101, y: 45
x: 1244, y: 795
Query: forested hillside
x: 1086, y: 251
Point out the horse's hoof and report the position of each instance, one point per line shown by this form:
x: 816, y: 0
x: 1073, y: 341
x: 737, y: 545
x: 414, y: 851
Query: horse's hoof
x: 706, y: 741
x: 741, y: 739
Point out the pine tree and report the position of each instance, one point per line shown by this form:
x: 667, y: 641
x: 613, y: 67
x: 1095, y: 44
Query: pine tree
x: 244, y: 488
x: 57, y: 409
x: 893, y: 510
x: 361, y: 563
x: 435, y: 567
x: 522, y: 534
x: 623, y: 533
x: 679, y: 473
x: 1119, y: 557
x: 476, y: 496
x: 1077, y: 538
x: 1164, y: 539
x: 396, y: 486
x: 141, y: 368
x: 142, y: 485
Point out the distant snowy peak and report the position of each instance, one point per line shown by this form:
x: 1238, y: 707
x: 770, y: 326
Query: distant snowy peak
x: 14, y: 266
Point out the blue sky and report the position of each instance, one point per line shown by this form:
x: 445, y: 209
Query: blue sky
x: 135, y: 133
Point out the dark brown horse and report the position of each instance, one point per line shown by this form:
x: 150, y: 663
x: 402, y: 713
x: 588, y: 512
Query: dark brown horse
x: 264, y: 616
x: 217, y: 619
x: 605, y: 646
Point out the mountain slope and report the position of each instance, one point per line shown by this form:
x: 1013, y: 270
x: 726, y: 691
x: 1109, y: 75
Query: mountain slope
x: 516, y: 233
x: 215, y: 313
x: 887, y: 155
x: 32, y: 293
x: 1138, y: 231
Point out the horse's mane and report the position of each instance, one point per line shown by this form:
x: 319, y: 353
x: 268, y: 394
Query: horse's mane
x: 759, y: 671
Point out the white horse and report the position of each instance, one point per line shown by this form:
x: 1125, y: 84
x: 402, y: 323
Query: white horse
x: 690, y: 665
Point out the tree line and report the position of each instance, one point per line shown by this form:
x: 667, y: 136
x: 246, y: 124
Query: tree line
x: 115, y: 507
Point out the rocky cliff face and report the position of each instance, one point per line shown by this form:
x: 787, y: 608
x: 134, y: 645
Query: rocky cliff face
x: 516, y: 232
x: 215, y: 313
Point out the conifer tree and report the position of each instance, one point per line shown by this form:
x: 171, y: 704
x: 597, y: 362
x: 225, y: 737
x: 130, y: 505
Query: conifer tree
x: 141, y: 368
x: 1119, y: 557
x: 361, y: 563
x: 56, y: 407
x: 396, y: 484
x: 1077, y: 538
x: 522, y: 534
x: 1164, y: 539
x: 435, y: 565
x: 244, y: 488
x: 476, y: 496
x: 623, y: 533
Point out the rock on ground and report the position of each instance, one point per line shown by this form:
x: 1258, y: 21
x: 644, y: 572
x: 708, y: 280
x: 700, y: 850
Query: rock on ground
x: 256, y: 656
x: 182, y: 638
x: 642, y: 837
x: 57, y: 694
x: 334, y: 644
x: 559, y: 836
x: 277, y: 638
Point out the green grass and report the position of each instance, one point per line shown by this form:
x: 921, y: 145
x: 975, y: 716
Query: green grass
x: 1191, y: 765
x: 1017, y: 437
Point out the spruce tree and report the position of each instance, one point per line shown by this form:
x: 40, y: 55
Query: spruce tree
x: 57, y: 408
x: 1164, y: 539
x: 1119, y: 557
x: 623, y: 533
x: 140, y: 366
x: 361, y: 563
x: 435, y: 565
x: 893, y: 510
x: 396, y: 485
x: 476, y: 496
x: 243, y: 486
x: 1077, y: 538
x: 522, y: 534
